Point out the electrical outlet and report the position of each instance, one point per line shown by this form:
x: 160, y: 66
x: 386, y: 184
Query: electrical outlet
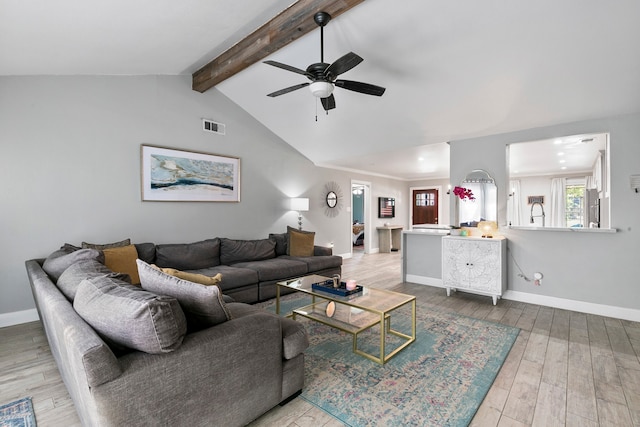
x: 537, y: 279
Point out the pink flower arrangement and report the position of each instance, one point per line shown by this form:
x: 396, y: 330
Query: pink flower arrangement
x: 463, y: 193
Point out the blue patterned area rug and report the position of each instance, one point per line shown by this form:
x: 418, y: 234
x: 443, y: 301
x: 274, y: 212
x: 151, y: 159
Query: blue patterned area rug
x: 439, y: 380
x: 17, y: 414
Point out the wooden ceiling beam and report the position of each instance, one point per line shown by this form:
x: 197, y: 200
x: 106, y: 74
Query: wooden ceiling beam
x: 289, y: 25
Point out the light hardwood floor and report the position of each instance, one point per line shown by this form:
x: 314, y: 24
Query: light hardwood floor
x: 565, y: 369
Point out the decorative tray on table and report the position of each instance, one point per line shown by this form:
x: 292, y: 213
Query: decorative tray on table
x: 327, y: 286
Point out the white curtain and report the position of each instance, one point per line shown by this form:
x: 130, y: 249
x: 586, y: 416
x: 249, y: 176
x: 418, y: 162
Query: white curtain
x: 597, y: 174
x: 514, y: 207
x: 558, y: 202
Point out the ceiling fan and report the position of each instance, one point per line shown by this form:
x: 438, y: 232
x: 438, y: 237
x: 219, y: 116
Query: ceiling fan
x: 323, y: 76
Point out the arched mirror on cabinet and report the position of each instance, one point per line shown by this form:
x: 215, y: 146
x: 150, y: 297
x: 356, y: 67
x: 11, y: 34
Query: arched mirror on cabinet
x: 483, y: 203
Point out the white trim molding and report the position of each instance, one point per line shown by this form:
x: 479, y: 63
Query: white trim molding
x: 424, y: 280
x: 18, y: 317
x: 565, y: 304
x: 573, y: 305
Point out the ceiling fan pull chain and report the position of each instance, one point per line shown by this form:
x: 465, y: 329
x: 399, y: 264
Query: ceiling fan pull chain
x: 316, y: 109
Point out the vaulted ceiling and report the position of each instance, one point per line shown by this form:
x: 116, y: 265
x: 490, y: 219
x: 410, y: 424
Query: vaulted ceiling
x: 452, y: 70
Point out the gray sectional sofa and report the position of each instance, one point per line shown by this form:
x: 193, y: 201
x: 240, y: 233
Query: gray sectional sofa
x: 250, y: 268
x: 137, y: 356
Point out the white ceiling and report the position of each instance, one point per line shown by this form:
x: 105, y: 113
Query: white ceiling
x: 452, y: 70
x: 571, y: 155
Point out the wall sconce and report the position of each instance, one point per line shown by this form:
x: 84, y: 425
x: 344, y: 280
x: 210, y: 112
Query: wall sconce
x: 299, y: 204
x: 449, y: 189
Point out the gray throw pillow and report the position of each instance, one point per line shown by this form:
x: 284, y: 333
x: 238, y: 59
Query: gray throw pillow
x: 101, y: 246
x: 130, y: 317
x: 146, y: 252
x: 202, y: 304
x: 87, y: 269
x: 189, y: 256
x: 281, y: 240
x: 234, y: 251
x: 63, y: 258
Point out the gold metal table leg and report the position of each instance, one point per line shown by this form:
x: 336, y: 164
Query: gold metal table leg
x: 383, y: 336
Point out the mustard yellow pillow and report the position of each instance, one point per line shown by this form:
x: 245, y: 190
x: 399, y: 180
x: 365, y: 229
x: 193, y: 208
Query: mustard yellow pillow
x: 193, y: 277
x: 301, y: 243
x: 123, y: 260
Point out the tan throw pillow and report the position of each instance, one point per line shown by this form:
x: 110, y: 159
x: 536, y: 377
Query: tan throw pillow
x: 123, y: 260
x: 301, y: 243
x: 193, y: 277
x: 203, y: 305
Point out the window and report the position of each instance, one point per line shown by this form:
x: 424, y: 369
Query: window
x: 575, y: 203
x: 425, y: 199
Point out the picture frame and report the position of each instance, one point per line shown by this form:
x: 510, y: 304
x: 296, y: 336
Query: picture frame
x: 535, y: 199
x: 386, y: 207
x: 174, y: 175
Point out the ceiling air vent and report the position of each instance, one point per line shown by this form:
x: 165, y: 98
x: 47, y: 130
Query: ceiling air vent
x: 211, y: 126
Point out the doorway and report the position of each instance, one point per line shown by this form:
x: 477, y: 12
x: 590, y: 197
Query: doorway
x: 359, y: 230
x: 425, y: 205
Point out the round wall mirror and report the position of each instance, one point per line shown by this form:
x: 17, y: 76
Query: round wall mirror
x: 332, y: 199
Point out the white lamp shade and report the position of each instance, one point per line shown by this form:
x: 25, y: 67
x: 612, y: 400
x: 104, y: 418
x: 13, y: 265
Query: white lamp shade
x: 300, y: 204
x: 321, y: 89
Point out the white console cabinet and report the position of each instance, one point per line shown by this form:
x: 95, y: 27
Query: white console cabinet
x: 475, y: 264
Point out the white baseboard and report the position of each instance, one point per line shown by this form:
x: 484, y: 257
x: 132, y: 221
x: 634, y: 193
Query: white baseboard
x: 565, y: 304
x: 424, y: 280
x: 573, y: 305
x: 18, y: 317
x: 350, y: 254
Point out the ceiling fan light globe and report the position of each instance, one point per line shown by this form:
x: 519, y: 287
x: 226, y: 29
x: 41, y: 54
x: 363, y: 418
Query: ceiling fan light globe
x: 321, y: 89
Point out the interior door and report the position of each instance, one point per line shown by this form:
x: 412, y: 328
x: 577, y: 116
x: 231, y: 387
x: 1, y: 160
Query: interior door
x: 425, y: 206
x: 364, y: 217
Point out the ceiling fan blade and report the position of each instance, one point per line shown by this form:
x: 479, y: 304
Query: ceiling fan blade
x: 289, y: 68
x: 287, y: 90
x: 342, y: 65
x: 365, y: 88
x: 328, y: 103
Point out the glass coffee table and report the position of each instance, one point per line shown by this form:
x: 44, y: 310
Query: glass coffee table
x: 354, y: 313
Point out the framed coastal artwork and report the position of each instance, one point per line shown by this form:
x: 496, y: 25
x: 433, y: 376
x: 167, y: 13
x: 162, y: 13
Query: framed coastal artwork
x: 188, y: 176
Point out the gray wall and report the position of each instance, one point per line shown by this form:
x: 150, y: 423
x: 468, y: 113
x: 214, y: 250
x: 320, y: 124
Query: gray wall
x: 595, y: 268
x: 71, y: 171
x: 358, y: 207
